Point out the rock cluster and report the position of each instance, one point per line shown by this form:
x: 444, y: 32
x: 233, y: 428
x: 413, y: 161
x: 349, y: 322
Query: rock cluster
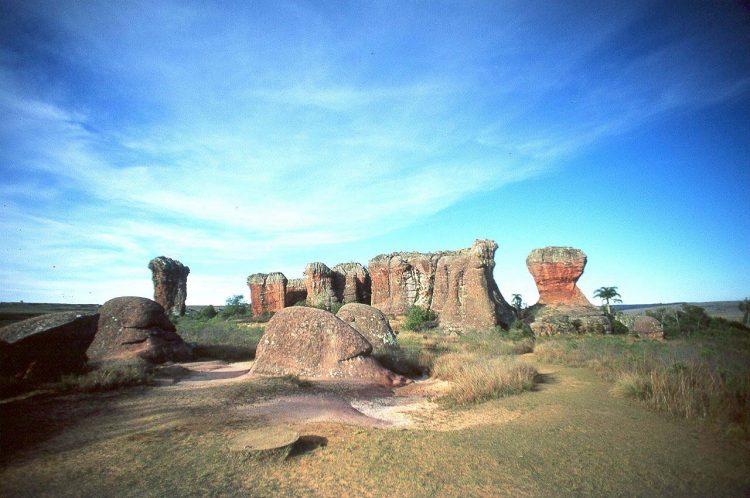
x: 170, y: 284
x: 136, y: 327
x: 313, y: 343
x: 556, y: 271
x: 458, y: 285
x: 46, y: 346
x: 562, y: 307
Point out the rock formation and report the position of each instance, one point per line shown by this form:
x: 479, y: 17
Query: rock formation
x: 46, y: 346
x: 319, y: 285
x: 458, y: 285
x: 170, y: 284
x: 562, y: 307
x: 351, y: 283
x: 643, y: 326
x: 267, y: 292
x: 556, y: 271
x: 136, y: 326
x: 295, y: 291
x: 314, y: 343
x: 372, y: 324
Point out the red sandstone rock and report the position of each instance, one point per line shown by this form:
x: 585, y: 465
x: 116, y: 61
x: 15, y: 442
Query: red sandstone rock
x: 314, y: 343
x: 319, y: 285
x: 267, y: 292
x: 458, y: 285
x: 556, y: 271
x: 170, y: 284
x: 295, y: 291
x: 136, y: 326
x: 351, y: 283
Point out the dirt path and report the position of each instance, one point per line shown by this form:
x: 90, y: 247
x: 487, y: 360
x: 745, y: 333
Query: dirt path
x: 570, y: 437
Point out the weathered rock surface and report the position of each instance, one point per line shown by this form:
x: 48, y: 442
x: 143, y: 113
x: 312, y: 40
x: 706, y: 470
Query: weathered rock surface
x: 313, y: 343
x: 46, y: 346
x: 295, y: 291
x: 319, y: 285
x: 458, y: 285
x: 136, y: 326
x: 170, y: 284
x: 267, y: 292
x: 556, y: 271
x: 372, y: 324
x: 568, y: 319
x: 351, y: 283
x: 645, y: 327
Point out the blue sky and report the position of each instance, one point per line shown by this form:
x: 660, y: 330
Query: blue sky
x: 258, y: 136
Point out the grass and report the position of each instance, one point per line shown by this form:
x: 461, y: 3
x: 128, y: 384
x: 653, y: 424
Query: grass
x: 220, y: 339
x: 108, y: 376
x: 704, y: 378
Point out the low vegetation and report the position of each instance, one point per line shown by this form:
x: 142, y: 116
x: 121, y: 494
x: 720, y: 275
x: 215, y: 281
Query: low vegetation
x: 220, y: 339
x: 418, y: 318
x: 108, y: 376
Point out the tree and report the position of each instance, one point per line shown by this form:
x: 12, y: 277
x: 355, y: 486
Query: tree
x: 517, y: 302
x: 607, y: 294
x: 236, y: 305
x: 745, y: 306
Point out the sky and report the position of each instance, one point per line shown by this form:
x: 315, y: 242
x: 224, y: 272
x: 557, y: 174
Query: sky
x: 246, y: 137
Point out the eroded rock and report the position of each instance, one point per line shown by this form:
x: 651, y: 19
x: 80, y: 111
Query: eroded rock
x: 351, y: 283
x: 319, y: 285
x: 46, y: 346
x: 295, y: 291
x: 458, y: 285
x: 170, y: 284
x: 568, y: 319
x: 313, y: 343
x: 267, y: 292
x: 372, y: 324
x: 556, y: 271
x: 643, y: 326
x: 136, y: 327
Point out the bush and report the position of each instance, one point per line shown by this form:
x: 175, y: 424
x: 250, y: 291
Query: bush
x: 417, y: 317
x: 208, y: 312
x: 520, y: 330
x: 235, y: 306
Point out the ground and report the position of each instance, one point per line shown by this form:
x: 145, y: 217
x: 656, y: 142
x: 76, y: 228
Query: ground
x: 569, y: 437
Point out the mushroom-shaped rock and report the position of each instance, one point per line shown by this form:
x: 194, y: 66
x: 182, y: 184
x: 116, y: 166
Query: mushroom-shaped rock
x: 45, y: 346
x: 267, y: 292
x: 556, y: 271
x: 372, y: 324
x: 319, y: 285
x: 313, y: 343
x: 170, y: 284
x: 136, y: 326
x: 351, y: 282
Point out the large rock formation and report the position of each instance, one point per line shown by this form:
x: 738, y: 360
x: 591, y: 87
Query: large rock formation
x: 458, y: 285
x: 295, y: 291
x: 556, y: 271
x: 170, y: 284
x: 314, y: 343
x: 372, y: 324
x: 136, y: 326
x: 46, y: 346
x: 267, y: 292
x: 562, y: 307
x: 643, y: 326
x: 319, y: 285
x: 351, y: 283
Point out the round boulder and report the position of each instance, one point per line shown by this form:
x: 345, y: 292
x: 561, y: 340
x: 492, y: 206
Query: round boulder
x: 647, y: 327
x: 136, y: 326
x: 313, y: 343
x: 371, y: 323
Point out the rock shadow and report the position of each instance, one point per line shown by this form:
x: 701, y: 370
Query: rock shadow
x: 307, y: 444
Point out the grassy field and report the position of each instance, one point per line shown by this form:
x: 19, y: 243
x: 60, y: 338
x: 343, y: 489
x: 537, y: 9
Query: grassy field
x: 722, y: 309
x: 581, y: 415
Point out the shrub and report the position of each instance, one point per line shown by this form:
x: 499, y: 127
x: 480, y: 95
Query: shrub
x: 208, y: 312
x: 417, y: 317
x: 235, y: 306
x: 519, y: 330
x: 110, y: 375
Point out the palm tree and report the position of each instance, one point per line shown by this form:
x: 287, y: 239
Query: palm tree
x: 517, y: 303
x: 607, y: 294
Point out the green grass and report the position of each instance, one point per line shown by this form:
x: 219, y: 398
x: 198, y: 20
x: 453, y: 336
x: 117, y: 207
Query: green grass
x: 109, y: 375
x: 221, y: 339
x: 706, y: 378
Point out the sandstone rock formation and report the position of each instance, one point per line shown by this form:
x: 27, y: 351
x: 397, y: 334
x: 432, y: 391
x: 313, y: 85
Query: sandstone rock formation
x: 136, y: 326
x: 46, y: 346
x: 568, y: 318
x: 295, y: 291
x: 643, y: 326
x: 267, y: 292
x: 562, y: 307
x: 556, y: 271
x: 351, y: 283
x: 458, y: 285
x: 319, y: 285
x: 314, y: 343
x: 170, y: 284
x: 372, y: 324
